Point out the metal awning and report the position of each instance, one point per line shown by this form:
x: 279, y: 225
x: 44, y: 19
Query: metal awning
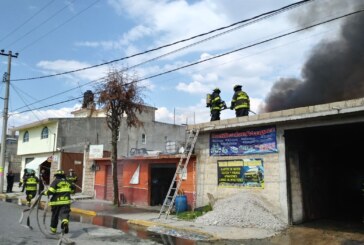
x: 34, y: 164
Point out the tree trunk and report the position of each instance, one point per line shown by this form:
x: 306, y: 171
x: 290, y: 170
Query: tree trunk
x: 114, y: 162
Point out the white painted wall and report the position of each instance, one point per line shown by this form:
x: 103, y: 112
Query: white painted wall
x: 35, y: 144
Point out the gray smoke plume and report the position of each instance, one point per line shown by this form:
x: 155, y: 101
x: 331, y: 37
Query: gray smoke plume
x: 333, y: 72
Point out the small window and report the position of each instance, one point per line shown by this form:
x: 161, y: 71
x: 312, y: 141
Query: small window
x: 26, y: 136
x: 144, y: 139
x: 44, y: 133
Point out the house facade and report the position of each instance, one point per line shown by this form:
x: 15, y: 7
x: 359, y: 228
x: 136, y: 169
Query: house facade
x: 51, y: 141
x: 145, y: 180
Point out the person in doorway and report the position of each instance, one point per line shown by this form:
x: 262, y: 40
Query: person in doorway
x: 240, y: 102
x: 10, y: 181
x: 30, y: 185
x: 25, y: 175
x: 60, y: 190
x: 42, y: 181
x: 72, y: 177
x: 216, y: 105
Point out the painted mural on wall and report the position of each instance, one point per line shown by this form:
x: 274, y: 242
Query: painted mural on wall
x: 252, y: 141
x: 244, y: 173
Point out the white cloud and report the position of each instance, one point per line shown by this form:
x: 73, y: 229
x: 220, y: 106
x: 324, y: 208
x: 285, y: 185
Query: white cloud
x: 193, y: 87
x: 58, y: 66
x: 18, y: 119
x: 136, y: 33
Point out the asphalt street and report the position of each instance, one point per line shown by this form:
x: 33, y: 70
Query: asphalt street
x: 14, y: 233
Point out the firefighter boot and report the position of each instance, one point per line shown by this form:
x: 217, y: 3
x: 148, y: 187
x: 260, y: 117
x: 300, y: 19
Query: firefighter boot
x: 64, y: 226
x: 53, y: 231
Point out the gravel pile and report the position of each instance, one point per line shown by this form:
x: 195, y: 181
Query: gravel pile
x: 245, y: 210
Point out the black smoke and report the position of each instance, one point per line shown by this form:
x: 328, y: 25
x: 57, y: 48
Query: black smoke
x: 333, y: 72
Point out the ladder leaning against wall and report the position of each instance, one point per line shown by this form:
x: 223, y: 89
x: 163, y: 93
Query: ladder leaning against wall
x: 181, y: 168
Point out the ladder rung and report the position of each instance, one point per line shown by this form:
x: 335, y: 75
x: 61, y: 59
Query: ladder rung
x: 182, y: 165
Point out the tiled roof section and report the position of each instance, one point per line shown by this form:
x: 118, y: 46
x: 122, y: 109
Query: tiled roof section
x: 295, y: 114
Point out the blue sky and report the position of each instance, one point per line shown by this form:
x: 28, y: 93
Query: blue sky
x: 58, y: 36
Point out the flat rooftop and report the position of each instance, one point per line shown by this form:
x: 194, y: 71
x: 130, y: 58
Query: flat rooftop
x: 339, y: 109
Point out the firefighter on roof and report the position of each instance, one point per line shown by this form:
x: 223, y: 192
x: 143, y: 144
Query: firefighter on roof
x: 240, y: 102
x: 216, y: 104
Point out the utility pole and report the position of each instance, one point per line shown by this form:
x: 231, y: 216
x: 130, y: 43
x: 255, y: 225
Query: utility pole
x: 5, y: 117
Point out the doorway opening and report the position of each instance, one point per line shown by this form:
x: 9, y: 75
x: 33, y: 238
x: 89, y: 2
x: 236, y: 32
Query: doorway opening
x: 325, y: 173
x: 161, y: 179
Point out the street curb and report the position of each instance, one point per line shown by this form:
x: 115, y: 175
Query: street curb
x: 146, y: 223
x: 73, y: 210
x: 83, y: 211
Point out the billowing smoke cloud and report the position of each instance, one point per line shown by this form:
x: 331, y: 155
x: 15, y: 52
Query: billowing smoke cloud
x: 333, y: 72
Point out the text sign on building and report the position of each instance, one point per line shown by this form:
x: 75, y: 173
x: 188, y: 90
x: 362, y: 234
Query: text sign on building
x: 252, y: 141
x: 244, y: 173
x: 96, y: 151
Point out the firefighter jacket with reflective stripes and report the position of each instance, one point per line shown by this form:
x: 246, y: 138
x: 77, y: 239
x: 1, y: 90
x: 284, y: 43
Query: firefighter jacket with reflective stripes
x: 72, y: 179
x: 61, y: 190
x: 240, y: 100
x: 30, y: 183
x: 216, y: 103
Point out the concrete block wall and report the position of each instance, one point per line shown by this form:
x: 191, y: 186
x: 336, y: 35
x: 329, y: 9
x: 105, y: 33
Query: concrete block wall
x: 88, y: 176
x: 296, y: 190
x: 207, y: 175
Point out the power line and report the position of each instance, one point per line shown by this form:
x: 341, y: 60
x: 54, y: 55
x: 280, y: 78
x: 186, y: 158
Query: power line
x: 57, y: 103
x: 217, y: 35
x: 63, y: 92
x: 249, y: 46
x: 219, y: 56
x: 171, y: 44
x: 25, y: 22
x: 59, y: 26
x: 41, y: 24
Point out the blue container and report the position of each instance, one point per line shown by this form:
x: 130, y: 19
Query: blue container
x: 181, y: 204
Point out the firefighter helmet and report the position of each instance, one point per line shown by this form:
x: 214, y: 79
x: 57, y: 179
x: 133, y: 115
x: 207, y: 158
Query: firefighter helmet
x: 217, y: 90
x: 59, y: 173
x: 71, y: 170
x: 237, y: 87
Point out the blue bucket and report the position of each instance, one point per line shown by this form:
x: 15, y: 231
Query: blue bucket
x: 181, y: 204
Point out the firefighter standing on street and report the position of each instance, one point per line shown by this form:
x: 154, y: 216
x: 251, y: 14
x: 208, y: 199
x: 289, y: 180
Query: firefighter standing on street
x: 30, y: 182
x: 61, y: 190
x: 216, y: 104
x: 240, y: 102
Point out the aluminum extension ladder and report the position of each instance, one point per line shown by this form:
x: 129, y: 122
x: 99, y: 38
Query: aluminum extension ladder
x: 177, y: 179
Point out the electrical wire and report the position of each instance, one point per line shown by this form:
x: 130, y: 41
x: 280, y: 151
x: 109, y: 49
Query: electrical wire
x: 218, y: 35
x: 27, y: 21
x: 31, y: 110
x: 249, y: 46
x: 59, y: 26
x: 221, y: 55
x: 63, y: 92
x: 168, y: 45
x: 41, y: 24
